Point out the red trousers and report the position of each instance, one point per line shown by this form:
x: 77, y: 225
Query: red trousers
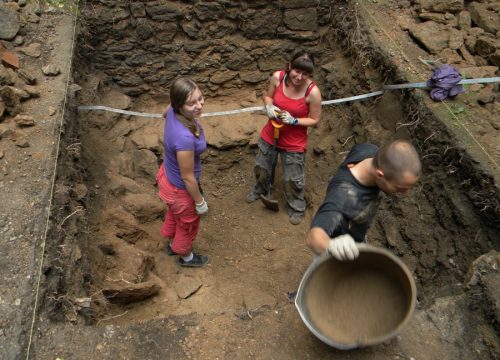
x: 181, y: 221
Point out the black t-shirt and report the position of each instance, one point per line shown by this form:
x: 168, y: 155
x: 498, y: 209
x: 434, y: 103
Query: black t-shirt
x: 349, y: 207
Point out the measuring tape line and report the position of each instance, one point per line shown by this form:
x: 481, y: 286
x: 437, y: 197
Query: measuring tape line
x: 262, y: 108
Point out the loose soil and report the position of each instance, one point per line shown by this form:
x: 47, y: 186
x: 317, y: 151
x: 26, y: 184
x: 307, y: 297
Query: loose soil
x: 104, y: 231
x: 357, y: 303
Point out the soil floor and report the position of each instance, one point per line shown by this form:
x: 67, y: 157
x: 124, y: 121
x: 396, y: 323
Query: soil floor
x: 240, y: 305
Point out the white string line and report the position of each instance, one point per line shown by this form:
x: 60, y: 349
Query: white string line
x: 262, y: 108
x: 48, y: 213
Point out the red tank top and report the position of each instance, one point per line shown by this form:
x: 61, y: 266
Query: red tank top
x: 292, y: 138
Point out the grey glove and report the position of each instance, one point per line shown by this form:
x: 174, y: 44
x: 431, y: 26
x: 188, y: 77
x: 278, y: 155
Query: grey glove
x: 202, y: 208
x: 272, y: 111
x: 287, y: 118
x: 343, y: 247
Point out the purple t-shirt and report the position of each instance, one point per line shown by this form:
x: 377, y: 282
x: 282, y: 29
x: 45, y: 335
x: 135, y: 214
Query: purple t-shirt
x: 176, y: 137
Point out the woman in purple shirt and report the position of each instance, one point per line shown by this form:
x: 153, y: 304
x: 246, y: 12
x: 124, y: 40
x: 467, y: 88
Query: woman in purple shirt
x: 179, y: 176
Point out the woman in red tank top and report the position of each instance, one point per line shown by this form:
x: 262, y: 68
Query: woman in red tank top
x: 294, y: 101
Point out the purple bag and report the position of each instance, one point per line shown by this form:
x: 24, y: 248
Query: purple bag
x: 444, y: 82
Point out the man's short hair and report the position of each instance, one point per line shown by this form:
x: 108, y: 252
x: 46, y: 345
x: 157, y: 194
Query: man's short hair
x: 397, y: 158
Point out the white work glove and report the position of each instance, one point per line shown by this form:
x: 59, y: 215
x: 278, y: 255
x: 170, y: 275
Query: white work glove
x: 272, y: 111
x: 202, y: 208
x: 287, y: 118
x: 343, y: 247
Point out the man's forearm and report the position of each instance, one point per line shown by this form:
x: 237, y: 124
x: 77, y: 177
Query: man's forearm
x: 317, y: 239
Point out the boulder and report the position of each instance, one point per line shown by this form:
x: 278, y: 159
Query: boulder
x: 301, y: 19
x: 10, y: 23
x: 432, y: 36
x: 484, y: 17
x: 131, y: 292
x: 486, y: 46
x: 442, y: 6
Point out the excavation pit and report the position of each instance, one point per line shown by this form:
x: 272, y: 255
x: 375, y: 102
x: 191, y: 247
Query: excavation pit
x: 105, y: 218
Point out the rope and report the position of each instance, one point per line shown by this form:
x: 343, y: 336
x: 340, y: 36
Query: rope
x: 262, y: 108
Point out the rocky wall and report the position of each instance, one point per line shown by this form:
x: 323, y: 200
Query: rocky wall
x: 143, y: 45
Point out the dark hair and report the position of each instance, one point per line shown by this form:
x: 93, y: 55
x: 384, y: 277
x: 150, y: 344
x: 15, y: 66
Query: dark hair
x: 397, y: 158
x: 301, y: 60
x: 180, y: 90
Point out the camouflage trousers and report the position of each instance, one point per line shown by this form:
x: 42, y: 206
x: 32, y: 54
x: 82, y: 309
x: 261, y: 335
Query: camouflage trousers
x: 292, y: 168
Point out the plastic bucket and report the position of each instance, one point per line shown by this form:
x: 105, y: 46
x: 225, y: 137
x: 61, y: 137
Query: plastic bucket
x: 352, y: 304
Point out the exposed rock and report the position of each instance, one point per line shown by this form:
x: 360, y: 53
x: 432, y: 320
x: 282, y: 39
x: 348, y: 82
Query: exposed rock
x: 466, y: 55
x: 442, y: 6
x: 238, y: 59
x: 486, y: 45
x: 270, y: 63
x: 32, y: 91
x: 437, y: 17
x: 260, y: 24
x: 472, y: 72
x: 433, y: 36
x: 482, y: 16
x: 9, y: 58
x: 20, y: 139
x: 33, y: 18
x: 464, y: 20
x: 301, y: 19
x: 208, y: 11
x: 131, y: 292
x: 137, y: 9
x: 10, y: 23
x: 475, y: 31
x: 11, y: 99
x: 6, y: 77
x: 253, y: 77
x: 5, y: 131
x: 164, y: 12
x: 115, y: 16
x: 33, y: 50
x: 486, y: 95
x: 192, y: 29
x: 456, y: 39
x: 144, y: 30
x: 482, y: 282
x: 221, y: 77
x: 28, y: 78
x: 295, y: 4
x: 24, y: 120
x: 18, y: 41
x: 495, y: 58
x: 187, y: 286
x: 51, y: 70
